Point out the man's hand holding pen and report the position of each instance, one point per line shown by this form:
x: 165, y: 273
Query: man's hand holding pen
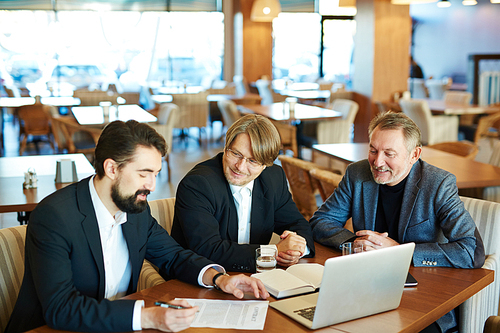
x: 174, y: 317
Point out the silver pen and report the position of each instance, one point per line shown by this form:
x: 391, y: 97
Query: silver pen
x: 171, y: 306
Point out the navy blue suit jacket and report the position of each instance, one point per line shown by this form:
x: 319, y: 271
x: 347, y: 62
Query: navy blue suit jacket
x: 64, y: 280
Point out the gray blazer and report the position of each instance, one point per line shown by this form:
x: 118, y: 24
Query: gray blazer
x: 432, y: 216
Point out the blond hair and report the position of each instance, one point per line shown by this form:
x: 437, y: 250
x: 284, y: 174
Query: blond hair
x: 264, y: 137
x: 397, y: 120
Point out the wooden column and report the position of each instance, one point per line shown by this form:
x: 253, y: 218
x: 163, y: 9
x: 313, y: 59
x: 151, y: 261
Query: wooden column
x: 257, y: 44
x: 381, y: 56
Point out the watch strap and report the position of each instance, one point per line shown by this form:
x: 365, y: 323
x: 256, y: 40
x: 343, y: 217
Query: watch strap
x: 216, y: 276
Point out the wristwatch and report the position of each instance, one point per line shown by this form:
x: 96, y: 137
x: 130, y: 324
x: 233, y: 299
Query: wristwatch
x: 216, y: 276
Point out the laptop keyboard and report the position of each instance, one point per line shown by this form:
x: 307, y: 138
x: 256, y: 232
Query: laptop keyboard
x: 307, y: 313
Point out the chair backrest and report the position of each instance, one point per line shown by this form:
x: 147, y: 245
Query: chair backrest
x: 301, y: 186
x: 75, y: 137
x: 325, y: 181
x: 486, y: 215
x: 347, y: 107
x: 229, y: 112
x: 36, y: 120
x: 417, y: 88
x: 288, y: 136
x: 193, y: 109
x: 484, y: 126
x: 436, y: 88
x: 163, y: 211
x: 465, y: 149
x: 338, y: 130
x: 168, y: 116
x: 264, y: 88
x: 94, y: 97
x: 230, y: 89
x: 420, y: 113
x: 130, y: 97
x: 474, y: 311
x: 241, y: 85
x: 11, y: 269
x: 458, y: 97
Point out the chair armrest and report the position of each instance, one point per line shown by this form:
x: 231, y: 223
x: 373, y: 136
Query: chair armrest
x: 475, y: 310
x: 149, y: 277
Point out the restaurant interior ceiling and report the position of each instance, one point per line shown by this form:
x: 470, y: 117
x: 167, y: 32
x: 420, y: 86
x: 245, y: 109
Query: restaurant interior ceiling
x: 118, y: 5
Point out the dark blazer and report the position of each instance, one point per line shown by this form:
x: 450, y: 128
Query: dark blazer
x: 206, y: 220
x: 64, y: 283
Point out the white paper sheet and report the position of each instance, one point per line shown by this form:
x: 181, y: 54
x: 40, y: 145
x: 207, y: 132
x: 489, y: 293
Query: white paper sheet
x: 244, y: 315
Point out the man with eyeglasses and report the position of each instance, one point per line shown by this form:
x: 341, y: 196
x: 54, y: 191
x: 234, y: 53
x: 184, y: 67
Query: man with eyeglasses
x: 228, y: 206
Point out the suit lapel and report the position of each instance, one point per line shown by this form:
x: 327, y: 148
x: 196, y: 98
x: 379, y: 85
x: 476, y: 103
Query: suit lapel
x: 370, y: 201
x: 91, y: 230
x: 129, y: 229
x: 409, y: 198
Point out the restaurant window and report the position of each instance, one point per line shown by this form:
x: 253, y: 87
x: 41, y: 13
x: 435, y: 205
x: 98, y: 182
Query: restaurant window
x: 337, y: 49
x: 296, y: 48
x: 131, y: 49
x: 308, y: 46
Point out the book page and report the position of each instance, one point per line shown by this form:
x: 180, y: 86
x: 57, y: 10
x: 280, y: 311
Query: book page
x: 280, y: 280
x: 310, y: 273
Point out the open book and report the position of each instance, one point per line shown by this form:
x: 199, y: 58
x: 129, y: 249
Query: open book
x: 295, y: 280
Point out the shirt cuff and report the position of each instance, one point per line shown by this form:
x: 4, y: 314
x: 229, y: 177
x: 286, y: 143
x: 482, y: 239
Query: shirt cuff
x: 136, y: 318
x: 306, y: 252
x: 218, y: 268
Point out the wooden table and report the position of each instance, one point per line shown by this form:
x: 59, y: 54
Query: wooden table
x: 307, y: 95
x: 281, y: 112
x: 439, y: 291
x: 93, y: 115
x: 441, y: 107
x: 14, y: 198
x: 469, y: 173
x: 248, y: 98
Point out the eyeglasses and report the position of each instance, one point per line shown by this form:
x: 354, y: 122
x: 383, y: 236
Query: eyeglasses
x: 250, y: 161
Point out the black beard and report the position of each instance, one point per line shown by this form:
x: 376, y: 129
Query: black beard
x: 129, y: 204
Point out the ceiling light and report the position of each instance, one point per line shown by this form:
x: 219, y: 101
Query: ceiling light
x: 469, y: 2
x: 444, y: 3
x: 495, y: 1
x: 265, y: 10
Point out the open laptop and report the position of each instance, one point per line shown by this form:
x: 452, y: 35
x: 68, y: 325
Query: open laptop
x: 352, y: 287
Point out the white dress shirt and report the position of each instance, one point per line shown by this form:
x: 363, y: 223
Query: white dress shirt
x: 243, y: 201
x: 117, y: 266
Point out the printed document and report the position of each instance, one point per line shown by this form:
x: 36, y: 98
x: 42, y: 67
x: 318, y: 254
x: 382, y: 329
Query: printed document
x: 244, y: 315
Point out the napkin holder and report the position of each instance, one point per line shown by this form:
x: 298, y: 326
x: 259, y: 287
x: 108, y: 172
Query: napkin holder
x: 66, y: 171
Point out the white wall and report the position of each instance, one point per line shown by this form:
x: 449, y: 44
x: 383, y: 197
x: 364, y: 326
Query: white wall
x: 445, y: 37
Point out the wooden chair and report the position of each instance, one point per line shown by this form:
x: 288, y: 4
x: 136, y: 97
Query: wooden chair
x: 11, y: 269
x: 168, y: 116
x: 301, y: 185
x: 487, y: 127
x: 474, y: 312
x: 435, y: 129
x: 72, y: 138
x: 466, y: 149
x: 163, y: 211
x: 492, y: 324
x: 94, y: 97
x: 325, y: 181
x: 338, y: 130
x: 288, y: 136
x: 193, y: 111
x: 34, y: 122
